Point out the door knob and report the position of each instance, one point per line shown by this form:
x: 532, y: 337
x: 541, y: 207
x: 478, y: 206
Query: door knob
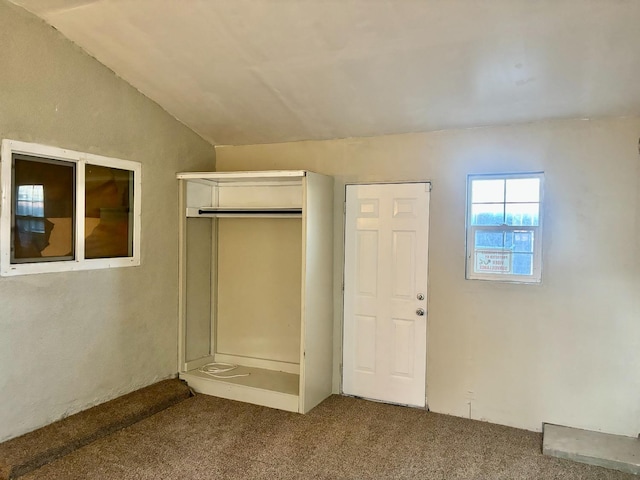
x: 420, y: 296
x: 420, y: 312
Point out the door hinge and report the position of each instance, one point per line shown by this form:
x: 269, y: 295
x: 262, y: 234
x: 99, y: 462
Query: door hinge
x: 344, y: 207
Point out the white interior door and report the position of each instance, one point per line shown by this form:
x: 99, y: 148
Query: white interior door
x: 385, y: 292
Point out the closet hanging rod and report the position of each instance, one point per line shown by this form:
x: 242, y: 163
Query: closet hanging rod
x: 250, y: 211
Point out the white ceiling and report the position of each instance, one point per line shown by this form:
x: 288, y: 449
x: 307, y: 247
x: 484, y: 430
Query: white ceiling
x: 263, y: 71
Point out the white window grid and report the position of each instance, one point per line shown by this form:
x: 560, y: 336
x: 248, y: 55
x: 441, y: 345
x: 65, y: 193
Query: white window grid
x: 536, y: 230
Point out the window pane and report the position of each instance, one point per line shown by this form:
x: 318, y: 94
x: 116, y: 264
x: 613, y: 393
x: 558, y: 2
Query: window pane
x: 523, y: 190
x: 523, y: 242
x: 485, y: 191
x: 519, y: 241
x: 522, y: 214
x: 43, y: 213
x: 487, y: 214
x: 108, y: 212
x: 523, y: 264
x: 489, y: 239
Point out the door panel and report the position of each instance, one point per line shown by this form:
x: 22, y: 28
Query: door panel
x: 386, y: 239
x: 403, y: 333
x: 367, y: 262
x: 404, y: 254
x: 365, y: 344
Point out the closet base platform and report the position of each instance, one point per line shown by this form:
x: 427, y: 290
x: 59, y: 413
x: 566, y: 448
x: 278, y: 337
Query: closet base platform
x: 268, y: 388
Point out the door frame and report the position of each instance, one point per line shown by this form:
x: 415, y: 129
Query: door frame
x: 342, y: 276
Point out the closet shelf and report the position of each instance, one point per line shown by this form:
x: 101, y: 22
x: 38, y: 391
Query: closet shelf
x: 263, y: 177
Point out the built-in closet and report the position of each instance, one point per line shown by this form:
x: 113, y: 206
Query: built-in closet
x: 255, y: 286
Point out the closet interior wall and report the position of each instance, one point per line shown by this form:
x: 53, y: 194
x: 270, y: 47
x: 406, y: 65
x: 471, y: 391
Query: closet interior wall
x: 259, y: 301
x: 249, y: 306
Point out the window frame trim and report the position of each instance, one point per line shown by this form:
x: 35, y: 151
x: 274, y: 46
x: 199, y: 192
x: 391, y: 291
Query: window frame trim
x: 81, y: 159
x: 536, y: 277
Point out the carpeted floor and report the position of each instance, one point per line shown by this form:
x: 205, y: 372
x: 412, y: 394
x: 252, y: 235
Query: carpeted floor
x: 44, y: 445
x: 343, y: 438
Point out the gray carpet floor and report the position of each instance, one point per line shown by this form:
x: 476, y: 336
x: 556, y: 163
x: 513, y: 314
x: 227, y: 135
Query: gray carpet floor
x: 343, y: 438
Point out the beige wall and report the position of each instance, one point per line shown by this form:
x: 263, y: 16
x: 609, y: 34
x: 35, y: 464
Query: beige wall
x: 70, y: 340
x: 565, y: 352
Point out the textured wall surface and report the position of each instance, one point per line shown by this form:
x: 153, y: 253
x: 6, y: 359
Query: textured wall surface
x: 71, y: 340
x: 566, y: 351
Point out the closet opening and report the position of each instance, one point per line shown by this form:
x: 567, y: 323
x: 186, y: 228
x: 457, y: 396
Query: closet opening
x: 255, y: 286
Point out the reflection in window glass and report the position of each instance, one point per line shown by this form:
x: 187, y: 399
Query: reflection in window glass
x: 30, y: 201
x: 108, y: 212
x: 30, y: 208
x: 43, y: 212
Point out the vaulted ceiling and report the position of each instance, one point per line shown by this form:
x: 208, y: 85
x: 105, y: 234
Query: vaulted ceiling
x: 263, y: 71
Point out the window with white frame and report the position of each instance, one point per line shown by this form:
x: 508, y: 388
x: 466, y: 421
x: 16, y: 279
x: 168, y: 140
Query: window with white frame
x: 504, y: 227
x: 64, y: 210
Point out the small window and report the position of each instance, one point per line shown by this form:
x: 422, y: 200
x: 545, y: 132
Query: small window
x: 67, y: 210
x: 504, y: 227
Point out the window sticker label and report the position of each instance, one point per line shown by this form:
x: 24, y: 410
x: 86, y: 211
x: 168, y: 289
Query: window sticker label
x: 493, y: 261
